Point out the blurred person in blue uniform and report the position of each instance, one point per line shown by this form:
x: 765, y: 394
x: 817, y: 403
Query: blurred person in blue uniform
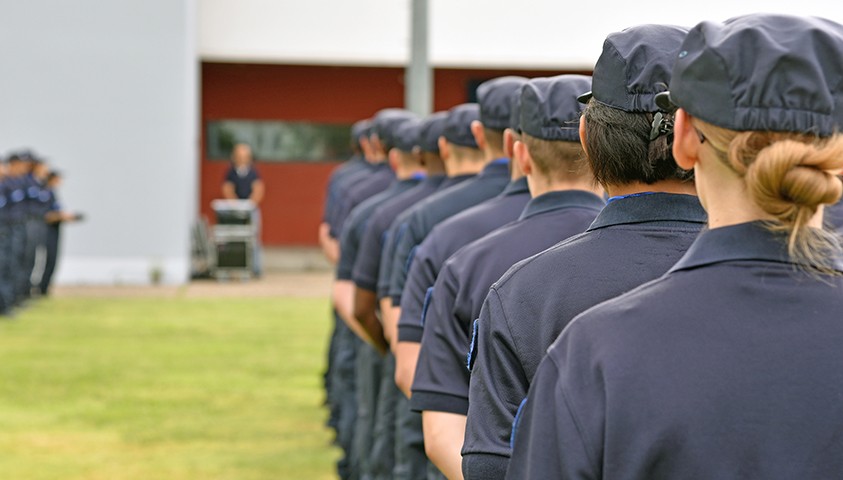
x: 728, y: 366
x: 54, y: 217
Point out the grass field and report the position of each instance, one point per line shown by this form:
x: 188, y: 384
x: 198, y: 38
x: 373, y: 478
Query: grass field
x: 165, y: 388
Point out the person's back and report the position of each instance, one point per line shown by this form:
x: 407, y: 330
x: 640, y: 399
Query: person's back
x: 649, y: 221
x: 727, y: 366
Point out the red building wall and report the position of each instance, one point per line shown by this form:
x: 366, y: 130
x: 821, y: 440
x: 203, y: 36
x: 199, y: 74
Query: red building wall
x: 295, y: 192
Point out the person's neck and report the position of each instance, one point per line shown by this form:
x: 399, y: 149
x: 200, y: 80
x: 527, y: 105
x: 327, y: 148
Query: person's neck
x: 540, y: 185
x: 409, y: 171
x: 663, y: 186
x: 464, y: 167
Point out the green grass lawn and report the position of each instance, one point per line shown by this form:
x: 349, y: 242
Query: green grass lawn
x: 165, y: 389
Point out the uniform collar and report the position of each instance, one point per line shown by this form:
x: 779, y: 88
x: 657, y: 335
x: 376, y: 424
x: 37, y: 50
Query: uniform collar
x: 516, y: 187
x: 414, y: 180
x: 670, y: 207
x: 745, y: 241
x: 558, y: 200
x: 498, y: 166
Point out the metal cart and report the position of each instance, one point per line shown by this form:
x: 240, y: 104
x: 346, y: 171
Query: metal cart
x: 234, y: 239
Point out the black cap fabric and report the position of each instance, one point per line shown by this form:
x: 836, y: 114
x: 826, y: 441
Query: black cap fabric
x: 458, y: 124
x: 762, y: 72
x: 549, y: 107
x: 386, y: 122
x: 635, y: 66
x: 362, y: 128
x: 431, y: 128
x: 495, y: 99
x: 407, y: 135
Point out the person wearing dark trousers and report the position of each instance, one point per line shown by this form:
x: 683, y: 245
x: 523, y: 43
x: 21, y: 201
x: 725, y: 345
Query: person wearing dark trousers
x: 54, y: 217
x: 16, y: 194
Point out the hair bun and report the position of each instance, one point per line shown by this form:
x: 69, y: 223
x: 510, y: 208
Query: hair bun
x: 790, y: 179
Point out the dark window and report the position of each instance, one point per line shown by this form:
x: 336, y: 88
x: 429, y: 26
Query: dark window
x: 277, y: 141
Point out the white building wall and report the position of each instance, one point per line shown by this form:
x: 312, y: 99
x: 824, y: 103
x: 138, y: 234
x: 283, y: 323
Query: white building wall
x: 463, y: 33
x: 107, y: 90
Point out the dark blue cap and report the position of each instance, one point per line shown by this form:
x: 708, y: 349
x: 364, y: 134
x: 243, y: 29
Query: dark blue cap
x: 635, y: 66
x: 458, y: 124
x: 515, y: 110
x: 386, y: 122
x: 494, y: 97
x: 432, y: 127
x: 762, y: 72
x: 407, y: 135
x: 361, y: 128
x: 549, y: 107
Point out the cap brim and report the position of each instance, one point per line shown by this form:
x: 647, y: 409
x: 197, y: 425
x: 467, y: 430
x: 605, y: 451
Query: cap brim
x: 585, y: 97
x: 664, y: 102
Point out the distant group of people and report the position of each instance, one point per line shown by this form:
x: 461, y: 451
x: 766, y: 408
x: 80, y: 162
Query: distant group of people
x: 30, y: 220
x: 636, y: 274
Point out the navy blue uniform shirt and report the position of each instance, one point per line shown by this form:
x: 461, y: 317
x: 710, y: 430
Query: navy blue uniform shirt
x: 490, y: 182
x: 242, y: 183
x: 445, y: 239
x: 340, y: 188
x: 338, y: 176
x: 16, y: 194
x: 633, y: 240
x: 367, y: 264
x: 396, y: 231
x: 441, y: 380
x: 728, y: 367
x: 376, y: 180
x: 357, y: 221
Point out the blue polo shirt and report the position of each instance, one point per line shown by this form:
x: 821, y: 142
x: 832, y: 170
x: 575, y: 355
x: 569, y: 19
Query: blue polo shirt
x: 396, y: 231
x: 445, y: 239
x: 372, y: 182
x: 242, y: 183
x: 441, y: 380
x: 633, y: 240
x: 373, y: 240
x: 16, y: 196
x: 336, y: 181
x: 489, y: 183
x: 727, y: 367
x: 359, y: 218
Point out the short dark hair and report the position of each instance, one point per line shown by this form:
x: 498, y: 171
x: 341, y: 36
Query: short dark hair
x: 494, y: 138
x: 619, y: 149
x: 557, y: 159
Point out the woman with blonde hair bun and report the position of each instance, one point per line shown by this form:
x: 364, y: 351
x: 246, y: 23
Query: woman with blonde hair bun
x: 731, y: 365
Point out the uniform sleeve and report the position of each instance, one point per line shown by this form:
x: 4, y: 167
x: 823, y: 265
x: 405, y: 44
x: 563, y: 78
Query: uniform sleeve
x: 441, y: 381
x: 497, y: 387
x: 348, y: 252
x: 405, y: 247
x: 387, y: 254
x: 256, y: 175
x: 416, y: 294
x: 548, y: 441
x: 367, y: 263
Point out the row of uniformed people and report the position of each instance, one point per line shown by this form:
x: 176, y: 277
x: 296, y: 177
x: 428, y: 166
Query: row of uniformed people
x: 635, y: 392
x: 29, y: 218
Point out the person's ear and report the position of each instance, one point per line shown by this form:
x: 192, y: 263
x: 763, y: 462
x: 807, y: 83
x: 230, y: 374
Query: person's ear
x: 508, y: 143
x: 444, y: 150
x: 686, y: 142
x: 583, y: 134
x: 479, y: 134
x: 523, y: 157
